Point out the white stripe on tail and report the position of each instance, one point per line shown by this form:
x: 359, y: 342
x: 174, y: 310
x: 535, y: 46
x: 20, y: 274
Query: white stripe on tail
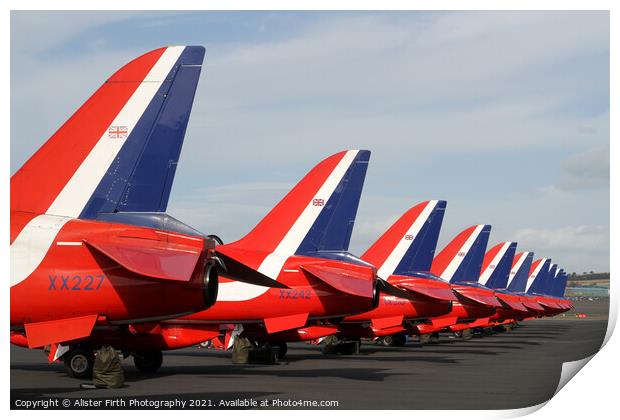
x: 272, y: 264
x: 35, y: 239
x: 460, y: 256
x: 535, y: 272
x: 484, y: 277
x: 395, y: 257
x: 515, y: 269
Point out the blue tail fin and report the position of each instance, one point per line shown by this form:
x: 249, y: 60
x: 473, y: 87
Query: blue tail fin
x: 560, y: 285
x: 332, y: 229
x: 557, y: 285
x: 470, y: 267
x: 140, y: 177
x: 550, y: 280
x: 495, y: 275
x: 538, y: 276
x: 419, y: 256
x: 517, y: 280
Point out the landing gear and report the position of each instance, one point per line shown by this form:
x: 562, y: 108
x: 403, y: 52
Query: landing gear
x: 396, y: 340
x: 434, y: 338
x: 504, y: 327
x: 467, y: 334
x: 79, y: 362
x: 148, y: 361
x: 332, y: 345
x: 487, y: 331
x: 282, y: 348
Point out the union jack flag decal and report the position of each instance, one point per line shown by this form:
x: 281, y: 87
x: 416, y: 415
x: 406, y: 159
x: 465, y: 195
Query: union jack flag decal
x: 117, y: 132
x: 408, y: 237
x: 318, y: 202
x: 461, y: 254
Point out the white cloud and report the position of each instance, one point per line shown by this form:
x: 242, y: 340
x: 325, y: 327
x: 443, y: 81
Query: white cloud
x: 585, y: 238
x: 589, y: 169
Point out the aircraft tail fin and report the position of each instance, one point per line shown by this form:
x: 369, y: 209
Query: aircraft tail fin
x: 538, y: 276
x: 120, y: 149
x: 408, y: 246
x: 497, y: 264
x: 560, y: 284
x: 316, y: 216
x: 520, y: 271
x: 549, y: 283
x: 461, y: 260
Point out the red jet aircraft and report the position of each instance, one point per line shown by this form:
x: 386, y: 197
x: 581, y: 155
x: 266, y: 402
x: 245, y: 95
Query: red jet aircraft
x: 318, y: 213
x: 496, y: 270
x: 402, y: 255
x: 91, y: 245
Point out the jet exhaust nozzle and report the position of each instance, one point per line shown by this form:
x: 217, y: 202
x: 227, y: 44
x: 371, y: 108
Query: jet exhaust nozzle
x: 210, y: 284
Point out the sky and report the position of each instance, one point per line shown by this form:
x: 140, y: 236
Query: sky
x: 503, y: 114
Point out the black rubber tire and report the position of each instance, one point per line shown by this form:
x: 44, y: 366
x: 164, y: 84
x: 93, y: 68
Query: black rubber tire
x: 282, y: 349
x: 388, y: 341
x: 467, y: 334
x: 79, y: 363
x: 148, y: 361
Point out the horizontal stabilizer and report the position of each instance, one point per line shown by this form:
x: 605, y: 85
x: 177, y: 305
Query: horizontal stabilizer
x: 550, y: 304
x: 234, y: 269
x: 150, y: 257
x: 383, y: 323
x: 282, y: 323
x: 513, y: 304
x: 425, y: 290
x: 347, y: 281
x: 530, y: 304
x: 480, y: 298
x: 40, y: 334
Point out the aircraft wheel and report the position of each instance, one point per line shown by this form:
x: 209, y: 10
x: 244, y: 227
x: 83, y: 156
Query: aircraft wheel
x: 282, y: 349
x: 148, y: 361
x: 434, y: 338
x: 467, y: 334
x: 79, y: 362
x: 388, y: 341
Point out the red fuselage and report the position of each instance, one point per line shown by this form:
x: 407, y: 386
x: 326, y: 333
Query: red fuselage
x: 243, y: 303
x: 73, y: 280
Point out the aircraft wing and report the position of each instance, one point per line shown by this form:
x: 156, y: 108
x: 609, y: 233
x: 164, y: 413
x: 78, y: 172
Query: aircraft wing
x: 513, y: 304
x: 438, y: 293
x: 481, y: 298
x: 347, y: 281
x: 150, y: 257
x: 533, y: 305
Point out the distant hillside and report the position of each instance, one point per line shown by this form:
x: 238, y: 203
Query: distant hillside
x: 588, y: 276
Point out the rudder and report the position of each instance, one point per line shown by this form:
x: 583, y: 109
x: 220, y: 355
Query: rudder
x: 408, y: 246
